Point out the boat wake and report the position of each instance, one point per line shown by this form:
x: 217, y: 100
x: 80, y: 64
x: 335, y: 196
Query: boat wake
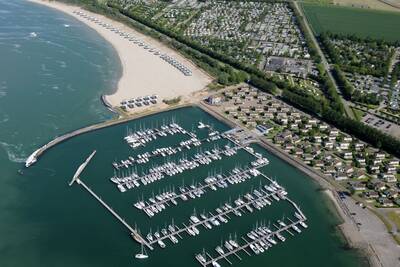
x: 14, y: 152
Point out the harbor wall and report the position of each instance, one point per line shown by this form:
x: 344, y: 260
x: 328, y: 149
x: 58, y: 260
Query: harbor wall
x: 39, y: 152
x: 297, y: 163
x: 324, y: 182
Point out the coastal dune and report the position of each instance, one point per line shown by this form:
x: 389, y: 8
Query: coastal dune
x: 143, y: 72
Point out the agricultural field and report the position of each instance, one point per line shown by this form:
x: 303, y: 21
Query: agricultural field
x: 353, y: 21
x: 390, y: 5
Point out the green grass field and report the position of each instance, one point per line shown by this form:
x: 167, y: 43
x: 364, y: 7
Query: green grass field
x: 360, y: 22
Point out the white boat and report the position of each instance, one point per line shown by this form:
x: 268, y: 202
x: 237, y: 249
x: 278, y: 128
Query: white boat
x: 200, y: 258
x: 281, y: 223
x: 254, y: 249
x: 260, y: 248
x: 190, y: 231
x: 195, y: 230
x: 121, y: 188
x: 271, y: 240
x: 303, y: 224
x: 222, y: 219
x: 228, y: 245
x: 173, y: 239
x: 298, y: 216
x: 220, y: 250
x: 234, y: 243
x: 280, y: 237
x: 149, y: 237
x: 294, y: 227
x: 207, y: 225
x: 201, y: 125
x: 194, y: 219
x: 142, y: 255
x: 161, y: 243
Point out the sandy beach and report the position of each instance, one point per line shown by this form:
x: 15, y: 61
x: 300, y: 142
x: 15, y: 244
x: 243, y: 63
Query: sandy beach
x: 144, y: 73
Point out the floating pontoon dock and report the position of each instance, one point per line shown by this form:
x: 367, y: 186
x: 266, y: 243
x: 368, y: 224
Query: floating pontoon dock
x: 76, y: 178
x: 210, y: 261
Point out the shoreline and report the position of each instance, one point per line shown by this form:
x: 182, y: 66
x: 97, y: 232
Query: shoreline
x: 376, y: 252
x: 94, y: 127
x: 348, y: 228
x: 143, y: 73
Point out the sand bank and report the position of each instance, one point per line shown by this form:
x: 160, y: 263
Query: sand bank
x: 144, y: 73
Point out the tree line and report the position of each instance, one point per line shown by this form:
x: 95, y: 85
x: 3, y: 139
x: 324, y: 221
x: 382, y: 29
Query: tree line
x: 330, y: 110
x: 377, y: 54
x: 225, y: 77
x: 353, y: 127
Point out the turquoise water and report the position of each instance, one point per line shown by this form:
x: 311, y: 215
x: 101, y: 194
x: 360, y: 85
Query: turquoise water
x: 51, y: 76
x: 51, y: 84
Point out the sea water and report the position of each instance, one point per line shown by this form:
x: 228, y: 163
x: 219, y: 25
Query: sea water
x: 50, y: 83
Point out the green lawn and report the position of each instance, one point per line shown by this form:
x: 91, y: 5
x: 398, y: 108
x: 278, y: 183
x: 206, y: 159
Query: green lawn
x: 348, y: 21
x: 359, y: 114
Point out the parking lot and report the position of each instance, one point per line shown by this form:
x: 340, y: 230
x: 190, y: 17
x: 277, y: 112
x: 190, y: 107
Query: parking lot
x: 381, y: 124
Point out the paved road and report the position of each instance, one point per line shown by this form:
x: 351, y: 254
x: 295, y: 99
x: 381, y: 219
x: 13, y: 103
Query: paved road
x: 375, y: 233
x: 324, y: 61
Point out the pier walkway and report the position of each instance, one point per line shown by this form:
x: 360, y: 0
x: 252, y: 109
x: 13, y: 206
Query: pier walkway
x: 76, y: 178
x: 200, y: 187
x: 224, y: 256
x: 133, y: 232
x: 210, y: 157
x: 144, y: 136
x: 37, y: 153
x: 215, y: 217
x: 175, y: 149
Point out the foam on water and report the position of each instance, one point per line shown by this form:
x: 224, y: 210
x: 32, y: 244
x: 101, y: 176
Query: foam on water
x: 14, y: 152
x: 51, y: 126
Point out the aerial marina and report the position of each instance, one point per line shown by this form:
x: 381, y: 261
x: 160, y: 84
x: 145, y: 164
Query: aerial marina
x: 159, y: 202
x: 258, y: 240
x: 199, y: 133
x: 163, y: 169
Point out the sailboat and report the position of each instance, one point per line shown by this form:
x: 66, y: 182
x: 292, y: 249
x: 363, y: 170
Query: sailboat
x: 142, y: 255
